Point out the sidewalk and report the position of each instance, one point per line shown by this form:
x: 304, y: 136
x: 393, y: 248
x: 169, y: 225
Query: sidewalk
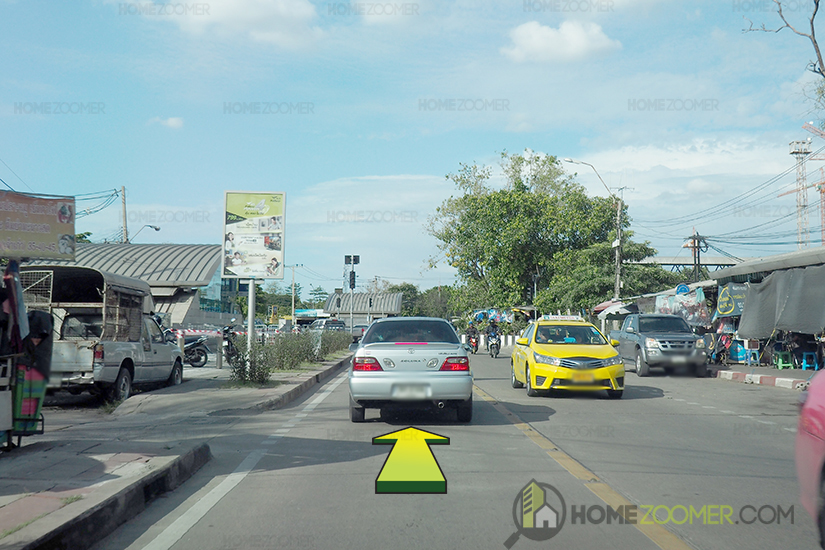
x: 793, y: 379
x: 69, y: 488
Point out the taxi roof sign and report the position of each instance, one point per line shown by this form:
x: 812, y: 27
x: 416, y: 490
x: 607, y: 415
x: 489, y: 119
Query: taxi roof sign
x: 562, y: 318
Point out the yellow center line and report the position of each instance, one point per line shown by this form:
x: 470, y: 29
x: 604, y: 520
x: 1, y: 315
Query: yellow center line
x: 658, y: 534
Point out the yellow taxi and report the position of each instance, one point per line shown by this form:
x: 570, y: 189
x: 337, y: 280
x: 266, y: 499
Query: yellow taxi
x: 562, y: 352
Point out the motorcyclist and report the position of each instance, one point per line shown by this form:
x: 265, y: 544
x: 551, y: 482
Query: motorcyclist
x: 472, y: 331
x: 491, y: 329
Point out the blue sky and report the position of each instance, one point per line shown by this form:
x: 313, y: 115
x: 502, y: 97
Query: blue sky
x: 670, y: 99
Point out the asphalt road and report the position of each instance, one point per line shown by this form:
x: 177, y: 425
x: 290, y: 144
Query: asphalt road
x: 304, y: 476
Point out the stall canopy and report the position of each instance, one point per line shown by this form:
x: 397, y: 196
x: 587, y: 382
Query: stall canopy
x: 791, y: 300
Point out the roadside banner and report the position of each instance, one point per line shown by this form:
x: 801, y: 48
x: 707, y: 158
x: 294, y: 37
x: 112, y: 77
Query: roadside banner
x: 731, y: 301
x: 37, y: 226
x: 253, y: 232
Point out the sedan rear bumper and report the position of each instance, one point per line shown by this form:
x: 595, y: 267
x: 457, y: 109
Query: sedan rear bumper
x: 410, y: 387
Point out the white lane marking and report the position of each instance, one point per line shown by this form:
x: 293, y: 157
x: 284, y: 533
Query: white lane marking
x: 727, y: 412
x: 708, y: 407
x: 793, y: 430
x: 677, y: 399
x: 284, y: 430
x: 690, y: 403
x: 745, y: 416
x: 174, y: 532
x: 300, y: 415
x: 765, y: 422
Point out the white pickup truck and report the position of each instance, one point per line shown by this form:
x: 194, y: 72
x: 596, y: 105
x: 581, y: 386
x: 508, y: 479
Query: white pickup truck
x: 105, y: 339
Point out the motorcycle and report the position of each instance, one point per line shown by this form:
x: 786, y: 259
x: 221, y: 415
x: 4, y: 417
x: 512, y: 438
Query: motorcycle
x: 495, y: 344
x: 230, y: 351
x: 195, y: 350
x: 474, y: 343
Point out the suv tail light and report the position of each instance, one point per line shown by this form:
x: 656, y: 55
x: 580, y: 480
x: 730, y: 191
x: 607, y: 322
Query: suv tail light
x: 366, y: 363
x: 455, y: 363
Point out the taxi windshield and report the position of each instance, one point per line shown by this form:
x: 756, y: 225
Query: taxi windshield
x: 569, y: 334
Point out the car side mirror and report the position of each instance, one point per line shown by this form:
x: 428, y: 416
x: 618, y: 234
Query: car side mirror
x: 614, y: 343
x: 521, y: 341
x: 630, y: 329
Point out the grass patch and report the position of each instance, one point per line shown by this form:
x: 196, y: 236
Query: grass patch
x: 12, y: 530
x: 109, y: 407
x: 68, y: 500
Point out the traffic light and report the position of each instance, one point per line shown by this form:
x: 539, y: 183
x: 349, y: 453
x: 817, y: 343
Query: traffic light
x: 352, y: 279
x: 370, y: 302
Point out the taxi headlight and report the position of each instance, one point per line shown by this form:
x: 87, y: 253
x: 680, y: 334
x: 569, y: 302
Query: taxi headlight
x: 546, y: 359
x: 700, y: 344
x: 615, y: 360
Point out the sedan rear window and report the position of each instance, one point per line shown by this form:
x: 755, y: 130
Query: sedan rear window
x: 411, y: 331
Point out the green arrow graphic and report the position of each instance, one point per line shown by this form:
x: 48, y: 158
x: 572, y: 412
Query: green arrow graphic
x: 411, y: 466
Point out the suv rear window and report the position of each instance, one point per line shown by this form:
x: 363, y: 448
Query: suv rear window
x: 411, y: 331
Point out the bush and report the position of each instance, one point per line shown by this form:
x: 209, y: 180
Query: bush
x: 286, y: 352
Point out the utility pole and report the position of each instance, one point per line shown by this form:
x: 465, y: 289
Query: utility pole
x: 123, y: 202
x: 292, y: 319
x: 617, y: 287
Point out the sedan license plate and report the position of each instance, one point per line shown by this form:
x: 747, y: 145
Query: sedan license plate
x: 583, y: 377
x: 406, y: 391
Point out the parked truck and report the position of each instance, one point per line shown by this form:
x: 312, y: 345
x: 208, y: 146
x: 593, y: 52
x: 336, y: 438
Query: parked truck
x: 106, y: 339
x: 655, y: 340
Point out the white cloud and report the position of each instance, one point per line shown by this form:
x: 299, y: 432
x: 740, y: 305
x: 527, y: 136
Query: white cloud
x: 572, y: 41
x: 176, y: 123
x: 284, y: 23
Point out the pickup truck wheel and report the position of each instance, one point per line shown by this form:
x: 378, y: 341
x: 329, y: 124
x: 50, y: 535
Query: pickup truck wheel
x: 642, y: 368
x: 123, y: 386
x: 176, y: 377
x: 701, y: 370
x: 513, y: 381
x: 531, y: 391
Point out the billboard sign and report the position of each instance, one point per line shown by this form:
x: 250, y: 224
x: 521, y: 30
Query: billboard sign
x: 253, y: 235
x: 36, y: 226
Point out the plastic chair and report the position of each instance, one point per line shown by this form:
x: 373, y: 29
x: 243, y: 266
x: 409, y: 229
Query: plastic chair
x: 782, y: 360
x: 753, y: 357
x: 809, y: 361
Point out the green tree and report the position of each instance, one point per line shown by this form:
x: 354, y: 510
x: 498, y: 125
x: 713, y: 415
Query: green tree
x: 319, y: 296
x: 498, y: 238
x: 435, y: 302
x: 409, y: 303
x: 83, y: 237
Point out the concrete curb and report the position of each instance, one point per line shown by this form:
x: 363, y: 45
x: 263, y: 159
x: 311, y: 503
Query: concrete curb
x: 762, y: 379
x: 82, y: 524
x: 291, y: 395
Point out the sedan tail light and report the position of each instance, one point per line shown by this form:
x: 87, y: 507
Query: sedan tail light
x: 456, y: 363
x: 366, y: 363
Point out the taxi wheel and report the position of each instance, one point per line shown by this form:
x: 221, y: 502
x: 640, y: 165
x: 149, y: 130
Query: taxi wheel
x: 642, y: 368
x: 531, y: 391
x: 513, y: 381
x: 615, y: 394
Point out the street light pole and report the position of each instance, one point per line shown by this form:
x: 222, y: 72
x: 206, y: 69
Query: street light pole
x: 617, y: 286
x: 155, y: 227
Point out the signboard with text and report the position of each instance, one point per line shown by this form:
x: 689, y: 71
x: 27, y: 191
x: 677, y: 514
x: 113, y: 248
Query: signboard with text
x: 253, y: 242
x: 36, y: 226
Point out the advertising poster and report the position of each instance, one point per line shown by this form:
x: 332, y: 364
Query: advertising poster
x: 253, y: 235
x: 36, y: 226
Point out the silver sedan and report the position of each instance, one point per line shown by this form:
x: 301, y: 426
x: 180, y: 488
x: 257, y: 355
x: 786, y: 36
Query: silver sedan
x: 410, y: 361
